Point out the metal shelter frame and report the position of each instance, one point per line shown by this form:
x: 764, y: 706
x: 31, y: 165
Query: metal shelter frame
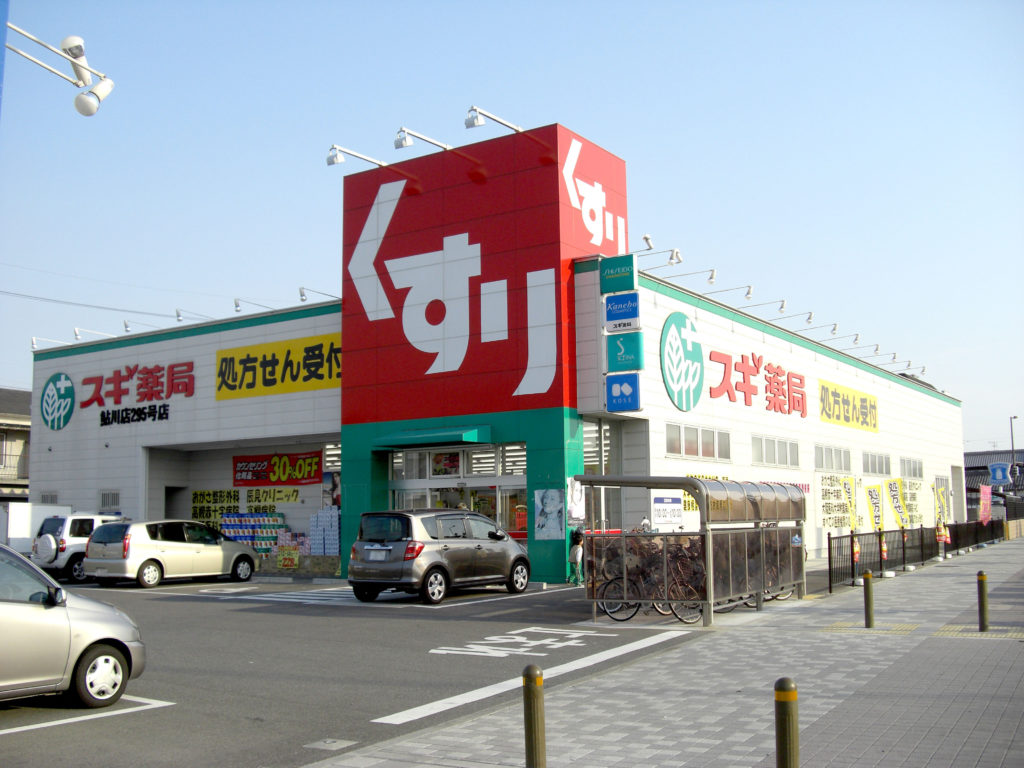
x: 743, y: 511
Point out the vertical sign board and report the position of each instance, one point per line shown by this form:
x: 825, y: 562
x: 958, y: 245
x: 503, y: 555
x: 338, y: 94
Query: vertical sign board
x: 457, y: 274
x: 625, y: 352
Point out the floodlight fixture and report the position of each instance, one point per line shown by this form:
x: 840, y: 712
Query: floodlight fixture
x: 88, y: 102
x: 303, y: 297
x: 239, y: 302
x: 179, y: 315
x: 337, y: 154
x: 749, y: 288
x: 781, y: 303
x: 710, y: 272
x: 80, y: 331
x: 880, y: 354
x: 475, y: 119
x: 648, y: 242
x: 854, y: 336
x: 128, y: 327
x: 833, y: 326
x: 921, y: 372
x: 809, y: 317
x: 37, y: 339
x: 404, y: 139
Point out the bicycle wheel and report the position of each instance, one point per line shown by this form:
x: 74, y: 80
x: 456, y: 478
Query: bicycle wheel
x: 684, y: 603
x: 726, y: 608
x: 784, y: 595
x: 612, y: 601
x: 664, y: 609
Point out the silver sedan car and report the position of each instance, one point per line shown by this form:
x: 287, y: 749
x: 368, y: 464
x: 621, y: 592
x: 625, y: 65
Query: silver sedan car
x: 55, y: 641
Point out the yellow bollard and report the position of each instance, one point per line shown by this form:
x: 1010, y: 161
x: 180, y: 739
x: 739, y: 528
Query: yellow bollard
x: 787, y: 724
x: 533, y: 716
x: 982, y: 601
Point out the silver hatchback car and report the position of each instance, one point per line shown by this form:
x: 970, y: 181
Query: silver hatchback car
x: 57, y: 641
x: 430, y: 551
x: 165, y: 549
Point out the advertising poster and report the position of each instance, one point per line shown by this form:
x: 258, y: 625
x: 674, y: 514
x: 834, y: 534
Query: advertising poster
x: 894, y: 489
x: 549, y: 514
x: 874, y: 494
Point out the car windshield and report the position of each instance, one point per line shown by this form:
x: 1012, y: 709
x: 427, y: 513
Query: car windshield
x: 109, y: 533
x: 52, y: 526
x: 384, y: 528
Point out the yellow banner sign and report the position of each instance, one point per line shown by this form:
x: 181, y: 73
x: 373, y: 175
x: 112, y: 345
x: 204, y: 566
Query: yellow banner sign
x: 847, y: 407
x: 279, y: 367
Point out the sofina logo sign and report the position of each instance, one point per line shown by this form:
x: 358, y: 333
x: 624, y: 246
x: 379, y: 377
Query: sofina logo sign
x: 682, y: 362
x: 58, y: 401
x: 625, y: 352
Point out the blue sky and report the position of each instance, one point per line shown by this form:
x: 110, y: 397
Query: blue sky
x: 863, y: 160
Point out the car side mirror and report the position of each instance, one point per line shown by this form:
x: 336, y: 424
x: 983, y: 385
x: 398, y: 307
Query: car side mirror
x: 56, y: 596
x: 496, y: 535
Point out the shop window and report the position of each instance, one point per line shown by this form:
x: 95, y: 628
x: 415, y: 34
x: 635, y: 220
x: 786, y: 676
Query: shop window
x: 911, y: 468
x: 514, y: 459
x: 876, y: 464
x: 831, y: 459
x: 445, y: 463
x: 697, y: 441
x: 482, y: 461
x: 409, y: 465
x: 775, y: 452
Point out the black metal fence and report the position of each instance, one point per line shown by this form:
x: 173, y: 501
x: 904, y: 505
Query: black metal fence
x: 851, y: 555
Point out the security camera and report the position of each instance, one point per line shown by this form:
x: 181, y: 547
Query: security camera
x: 88, y: 103
x: 74, y: 46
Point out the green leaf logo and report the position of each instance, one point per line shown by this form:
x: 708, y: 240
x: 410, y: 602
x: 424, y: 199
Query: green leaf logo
x: 682, y: 362
x: 58, y: 401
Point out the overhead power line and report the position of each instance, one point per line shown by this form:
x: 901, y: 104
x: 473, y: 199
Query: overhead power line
x: 89, y: 306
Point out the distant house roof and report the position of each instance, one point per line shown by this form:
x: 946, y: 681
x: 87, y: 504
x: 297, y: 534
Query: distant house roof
x: 16, y: 402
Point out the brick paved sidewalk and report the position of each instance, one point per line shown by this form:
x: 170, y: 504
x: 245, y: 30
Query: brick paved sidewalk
x: 922, y: 688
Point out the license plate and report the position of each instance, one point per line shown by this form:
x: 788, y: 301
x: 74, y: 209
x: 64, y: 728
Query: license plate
x: 100, y: 572
x: 376, y: 554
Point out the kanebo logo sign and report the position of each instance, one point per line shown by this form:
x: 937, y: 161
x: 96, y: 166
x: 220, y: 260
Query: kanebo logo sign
x: 589, y: 200
x: 436, y: 313
x: 682, y: 361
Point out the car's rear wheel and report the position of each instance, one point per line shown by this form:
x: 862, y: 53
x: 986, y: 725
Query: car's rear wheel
x: 150, y: 574
x: 365, y: 594
x: 519, y: 578
x: 435, y: 587
x: 100, y: 676
x: 76, y: 568
x: 242, y: 569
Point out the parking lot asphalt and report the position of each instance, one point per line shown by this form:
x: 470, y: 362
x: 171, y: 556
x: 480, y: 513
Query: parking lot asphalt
x: 922, y: 687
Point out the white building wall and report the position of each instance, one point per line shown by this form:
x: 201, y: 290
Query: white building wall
x: 913, y: 421
x: 140, y: 459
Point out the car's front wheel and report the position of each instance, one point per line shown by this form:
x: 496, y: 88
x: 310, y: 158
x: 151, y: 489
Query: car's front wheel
x: 242, y: 569
x: 100, y: 676
x: 150, y: 574
x: 435, y: 587
x: 519, y: 578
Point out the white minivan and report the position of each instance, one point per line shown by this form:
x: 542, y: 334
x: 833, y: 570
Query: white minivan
x: 165, y: 549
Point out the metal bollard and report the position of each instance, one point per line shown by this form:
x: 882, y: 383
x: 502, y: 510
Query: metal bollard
x: 787, y: 724
x: 869, y: 601
x: 982, y: 601
x: 533, y: 716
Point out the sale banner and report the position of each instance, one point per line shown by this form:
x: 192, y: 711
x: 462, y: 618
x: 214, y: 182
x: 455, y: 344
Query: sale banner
x: 874, y: 494
x: 278, y: 469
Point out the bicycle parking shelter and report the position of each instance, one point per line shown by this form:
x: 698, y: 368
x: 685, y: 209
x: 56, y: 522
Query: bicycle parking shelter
x: 749, y: 546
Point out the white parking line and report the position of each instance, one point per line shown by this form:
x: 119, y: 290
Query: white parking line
x: 146, y: 704
x: 458, y: 700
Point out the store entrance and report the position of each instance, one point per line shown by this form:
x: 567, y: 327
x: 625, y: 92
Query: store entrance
x: 506, y: 506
